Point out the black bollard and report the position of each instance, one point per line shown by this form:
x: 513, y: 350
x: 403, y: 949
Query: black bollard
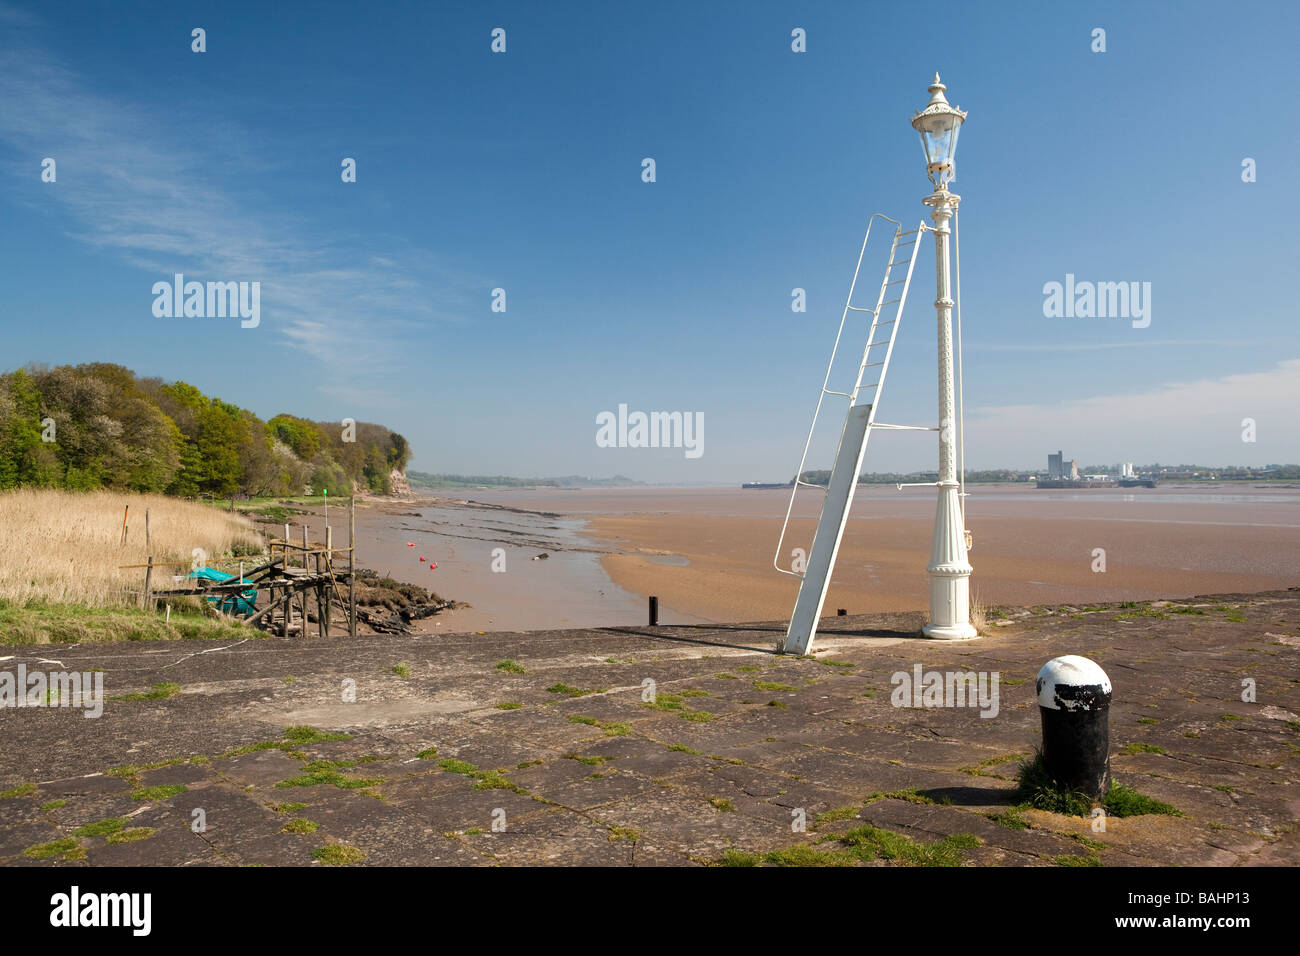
x: 654, y: 611
x: 841, y: 612
x: 1074, y: 701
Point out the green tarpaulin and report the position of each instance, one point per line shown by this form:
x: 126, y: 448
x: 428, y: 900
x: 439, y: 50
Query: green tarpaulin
x: 241, y: 603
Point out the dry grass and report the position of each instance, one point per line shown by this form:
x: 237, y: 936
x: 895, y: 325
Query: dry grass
x: 64, y: 547
x: 979, y: 613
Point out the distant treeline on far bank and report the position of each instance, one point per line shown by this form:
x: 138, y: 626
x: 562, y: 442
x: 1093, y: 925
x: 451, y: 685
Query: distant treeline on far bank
x: 101, y: 426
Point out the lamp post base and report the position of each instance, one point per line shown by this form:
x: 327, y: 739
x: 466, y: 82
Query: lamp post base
x: 954, y: 632
x: 949, y: 572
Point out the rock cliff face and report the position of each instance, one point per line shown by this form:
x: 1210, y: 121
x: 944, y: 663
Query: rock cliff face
x: 397, y: 480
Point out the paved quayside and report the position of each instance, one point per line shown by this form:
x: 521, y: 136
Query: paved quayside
x: 572, y: 766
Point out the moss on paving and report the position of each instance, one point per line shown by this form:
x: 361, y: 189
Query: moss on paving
x: 837, y: 814
x: 337, y: 854
x: 101, y: 828
x: 511, y: 667
x: 64, y: 848
x: 1011, y: 819
x: 158, y: 793
x: 310, y: 735
x: 132, y: 834
x: 483, y: 779
x: 160, y: 691
x: 863, y: 844
x: 624, y: 833
x: 1136, y: 748
x: 318, y: 778
x: 22, y: 790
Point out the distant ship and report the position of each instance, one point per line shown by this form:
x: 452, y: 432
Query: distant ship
x: 1133, y: 481
x: 761, y: 485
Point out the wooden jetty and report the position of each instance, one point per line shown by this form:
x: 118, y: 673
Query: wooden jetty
x: 300, y: 584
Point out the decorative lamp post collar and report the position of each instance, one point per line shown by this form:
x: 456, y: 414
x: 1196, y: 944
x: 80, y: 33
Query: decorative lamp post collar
x: 938, y: 125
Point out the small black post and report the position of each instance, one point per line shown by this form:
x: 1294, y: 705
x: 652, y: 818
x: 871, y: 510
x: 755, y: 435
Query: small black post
x: 654, y: 611
x: 841, y: 612
x: 1074, y: 701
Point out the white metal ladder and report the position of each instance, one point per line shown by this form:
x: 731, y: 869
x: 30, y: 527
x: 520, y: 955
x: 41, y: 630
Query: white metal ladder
x: 859, y: 421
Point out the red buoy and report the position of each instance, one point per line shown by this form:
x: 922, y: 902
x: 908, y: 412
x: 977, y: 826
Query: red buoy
x: 421, y: 557
x: 410, y: 544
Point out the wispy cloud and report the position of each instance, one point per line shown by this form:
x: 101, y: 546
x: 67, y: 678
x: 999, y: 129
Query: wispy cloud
x: 1137, y: 342
x: 139, y: 191
x: 1177, y: 422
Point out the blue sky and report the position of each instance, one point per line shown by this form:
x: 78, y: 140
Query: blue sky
x: 522, y: 170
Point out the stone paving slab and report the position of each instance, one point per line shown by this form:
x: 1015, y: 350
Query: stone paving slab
x: 309, y: 752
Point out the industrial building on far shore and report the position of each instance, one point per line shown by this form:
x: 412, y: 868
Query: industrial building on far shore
x: 1064, y: 473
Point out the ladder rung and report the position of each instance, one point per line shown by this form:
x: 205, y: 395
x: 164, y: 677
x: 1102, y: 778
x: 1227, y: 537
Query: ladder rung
x: 906, y: 428
x: 890, y: 322
x: 899, y: 262
x: 896, y: 282
x: 873, y: 364
x: 843, y: 394
x: 856, y: 309
x: 890, y: 302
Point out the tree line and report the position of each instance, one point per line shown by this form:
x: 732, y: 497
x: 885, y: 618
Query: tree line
x: 101, y: 426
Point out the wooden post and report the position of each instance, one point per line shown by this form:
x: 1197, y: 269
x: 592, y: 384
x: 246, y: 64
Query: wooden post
x: 148, y: 574
x: 352, y: 560
x: 304, y: 590
x: 654, y: 611
x: 320, y: 610
x: 329, y: 567
x: 288, y: 601
x: 124, y: 514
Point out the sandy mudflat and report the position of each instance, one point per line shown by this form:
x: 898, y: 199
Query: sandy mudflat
x: 708, y: 553
x: 489, y: 556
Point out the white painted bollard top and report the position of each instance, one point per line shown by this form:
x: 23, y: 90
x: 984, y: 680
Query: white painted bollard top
x: 1070, y: 671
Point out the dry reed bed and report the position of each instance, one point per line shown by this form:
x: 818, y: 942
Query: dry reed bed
x: 65, y: 546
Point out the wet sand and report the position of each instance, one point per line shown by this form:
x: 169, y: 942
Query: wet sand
x: 707, y: 553
x: 567, y: 588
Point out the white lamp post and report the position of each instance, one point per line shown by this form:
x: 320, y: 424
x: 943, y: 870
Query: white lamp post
x: 949, y: 569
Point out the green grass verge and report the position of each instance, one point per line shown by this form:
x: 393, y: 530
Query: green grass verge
x: 41, y: 623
